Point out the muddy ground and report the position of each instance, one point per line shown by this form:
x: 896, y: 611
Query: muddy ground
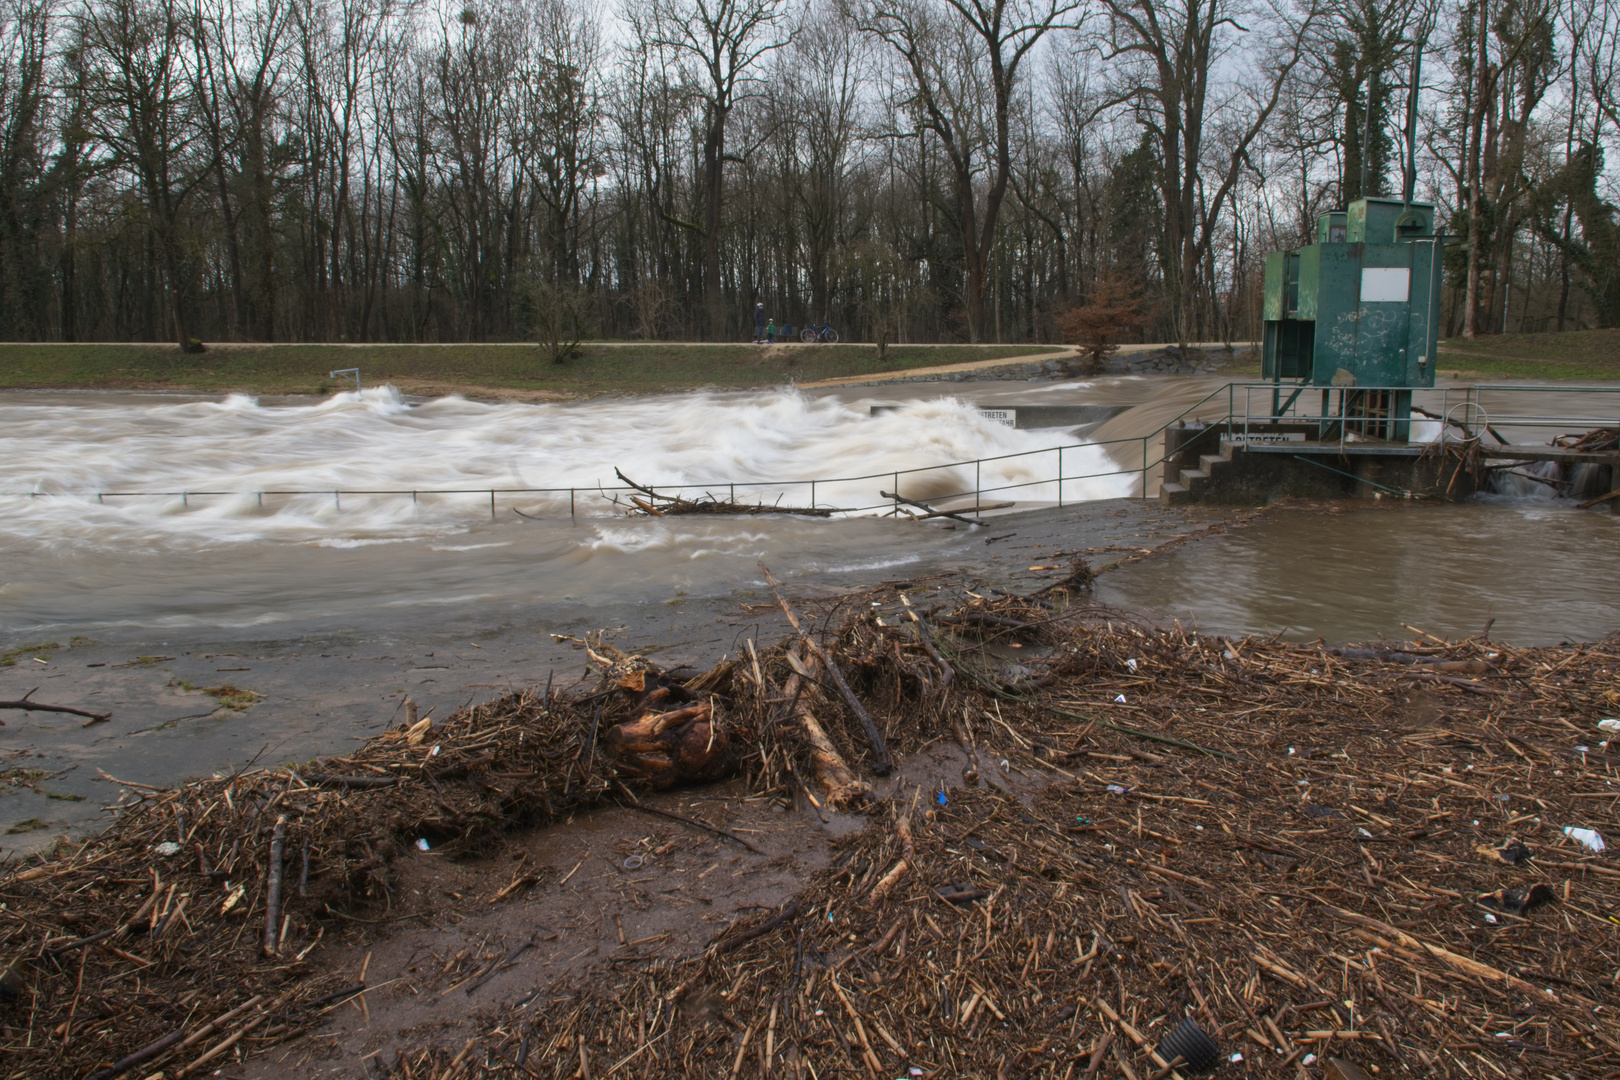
x: 614, y: 887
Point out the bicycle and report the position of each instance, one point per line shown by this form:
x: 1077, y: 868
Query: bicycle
x: 822, y: 332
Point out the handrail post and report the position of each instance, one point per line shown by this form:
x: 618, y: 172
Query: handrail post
x: 1060, y: 478
x: 812, y: 494
x: 978, y: 483
x: 492, y: 505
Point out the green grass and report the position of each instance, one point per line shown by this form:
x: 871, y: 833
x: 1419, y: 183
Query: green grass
x: 1577, y: 356
x: 496, y: 370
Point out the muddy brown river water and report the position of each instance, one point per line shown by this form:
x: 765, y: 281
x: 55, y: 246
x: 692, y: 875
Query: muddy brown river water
x: 329, y: 614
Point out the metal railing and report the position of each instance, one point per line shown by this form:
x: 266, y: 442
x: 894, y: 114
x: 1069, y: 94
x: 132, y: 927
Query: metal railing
x: 1459, y: 409
x: 1487, y: 411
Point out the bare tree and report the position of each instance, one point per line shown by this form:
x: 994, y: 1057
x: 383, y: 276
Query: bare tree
x: 820, y: 110
x: 560, y: 114
x: 1506, y: 64
x: 141, y: 87
x: 1168, y: 60
x: 242, y: 54
x: 25, y: 106
x: 962, y: 59
x: 722, y: 41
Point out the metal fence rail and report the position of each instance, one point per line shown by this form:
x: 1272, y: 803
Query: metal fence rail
x: 1460, y: 409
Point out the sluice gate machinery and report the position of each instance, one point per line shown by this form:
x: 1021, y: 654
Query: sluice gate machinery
x: 1357, y: 313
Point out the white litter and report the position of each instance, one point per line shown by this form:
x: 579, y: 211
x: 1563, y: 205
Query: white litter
x: 167, y: 848
x: 1588, y: 838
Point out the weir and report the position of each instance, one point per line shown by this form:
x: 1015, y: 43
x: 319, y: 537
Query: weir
x: 1238, y: 443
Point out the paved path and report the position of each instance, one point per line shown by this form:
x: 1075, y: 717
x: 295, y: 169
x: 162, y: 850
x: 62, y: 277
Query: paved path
x: 1053, y: 352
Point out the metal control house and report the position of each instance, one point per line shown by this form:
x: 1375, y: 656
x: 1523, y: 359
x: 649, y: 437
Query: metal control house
x: 1358, y: 312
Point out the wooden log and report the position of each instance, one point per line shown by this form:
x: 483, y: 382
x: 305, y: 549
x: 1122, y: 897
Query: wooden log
x: 931, y: 512
x: 272, y: 892
x: 663, y: 748
x: 839, y: 786
x: 145, y: 1053
x: 946, y: 673
x: 723, y: 944
x: 885, y: 763
x: 323, y: 779
x: 25, y: 704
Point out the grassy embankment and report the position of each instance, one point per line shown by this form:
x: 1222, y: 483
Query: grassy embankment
x: 510, y: 370
x: 1577, y: 356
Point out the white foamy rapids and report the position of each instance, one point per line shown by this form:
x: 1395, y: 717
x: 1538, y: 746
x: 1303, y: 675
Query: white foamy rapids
x: 61, y: 465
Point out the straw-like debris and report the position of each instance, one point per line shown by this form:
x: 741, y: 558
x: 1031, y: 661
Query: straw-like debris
x: 1355, y: 853
x: 1309, y: 852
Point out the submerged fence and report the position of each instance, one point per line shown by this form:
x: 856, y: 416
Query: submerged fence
x: 1476, y: 412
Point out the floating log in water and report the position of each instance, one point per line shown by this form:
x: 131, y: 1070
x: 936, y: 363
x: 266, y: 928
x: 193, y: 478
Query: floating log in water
x: 656, y: 505
x: 931, y: 512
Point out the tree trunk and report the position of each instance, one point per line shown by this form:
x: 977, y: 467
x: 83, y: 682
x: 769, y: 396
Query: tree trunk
x: 714, y: 146
x: 1476, y: 193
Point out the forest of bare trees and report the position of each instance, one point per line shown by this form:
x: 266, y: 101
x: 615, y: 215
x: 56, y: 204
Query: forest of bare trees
x: 910, y: 170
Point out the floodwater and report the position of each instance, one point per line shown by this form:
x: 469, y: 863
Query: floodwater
x: 1538, y: 570
x: 332, y: 609
x: 123, y: 511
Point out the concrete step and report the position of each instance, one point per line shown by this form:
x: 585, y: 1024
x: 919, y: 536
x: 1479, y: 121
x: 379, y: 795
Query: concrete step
x: 1174, y: 494
x: 1208, y: 462
x: 1190, y: 477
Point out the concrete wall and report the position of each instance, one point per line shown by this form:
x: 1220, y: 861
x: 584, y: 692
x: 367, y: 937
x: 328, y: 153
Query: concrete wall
x: 1244, y: 476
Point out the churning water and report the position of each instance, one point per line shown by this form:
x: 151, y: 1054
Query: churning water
x: 72, y: 562
x: 77, y: 549
x: 66, y: 455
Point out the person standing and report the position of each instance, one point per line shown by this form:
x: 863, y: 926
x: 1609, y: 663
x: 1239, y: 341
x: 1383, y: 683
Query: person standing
x: 759, y: 324
x: 770, y: 333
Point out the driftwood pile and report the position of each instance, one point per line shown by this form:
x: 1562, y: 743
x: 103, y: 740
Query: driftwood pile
x: 193, y: 925
x: 1312, y: 854
x: 649, y: 502
x: 1594, y: 441
x: 1106, y: 828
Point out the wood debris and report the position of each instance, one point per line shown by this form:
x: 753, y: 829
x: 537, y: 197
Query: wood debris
x: 1309, y: 851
